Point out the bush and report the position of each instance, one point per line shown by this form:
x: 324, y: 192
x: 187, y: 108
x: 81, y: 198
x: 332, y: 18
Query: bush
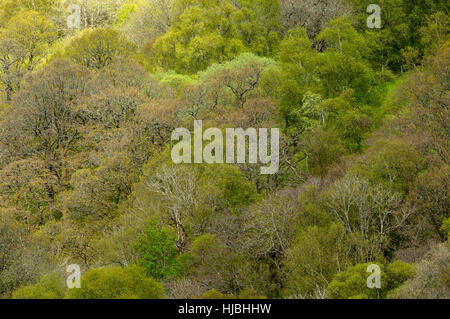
x: 50, y: 286
x: 117, y: 283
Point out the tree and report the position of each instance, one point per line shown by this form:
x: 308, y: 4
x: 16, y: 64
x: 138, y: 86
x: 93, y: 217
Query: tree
x: 396, y: 31
x: 340, y: 36
x: 30, y: 185
x: 97, y: 48
x: 96, y: 193
x: 149, y: 20
x: 190, y: 197
x: 24, y: 256
x: 319, y: 150
x: 178, y: 188
x: 339, y: 72
x: 46, y: 104
x: 344, y: 64
x: 12, y: 57
x: 241, y: 76
x: 392, y: 163
x: 352, y: 283
x: 351, y: 121
x: 157, y: 247
x: 23, y: 42
x: 267, y: 234
x: 296, y: 47
x: 311, y: 15
x: 428, y: 124
x: 125, y: 73
x: 117, y: 283
x: 298, y: 76
x: 269, y: 227
x: 46, y: 8
x: 318, y: 254
x: 373, y: 211
x: 34, y: 33
x: 213, y: 265
x: 12, y: 235
x: 50, y: 286
x: 431, y: 277
x: 435, y: 33
x: 98, y: 13
x: 113, y: 108
x: 207, y: 32
x: 196, y: 99
x: 429, y: 197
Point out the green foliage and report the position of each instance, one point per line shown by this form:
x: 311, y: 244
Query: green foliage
x: 33, y: 32
x: 436, y: 32
x: 24, y: 41
x: 352, y: 283
x: 317, y: 255
x: 340, y: 36
x: 174, y: 80
x: 295, y: 47
x: 392, y: 163
x: 86, y: 117
x: 445, y: 228
x: 402, y: 27
x: 50, y: 286
x: 123, y: 16
x: 11, y: 8
x: 211, y: 263
x: 117, y: 283
x: 311, y: 208
x: 397, y: 273
x: 158, y: 252
x: 224, y: 32
x: 320, y: 149
x: 237, y: 191
x: 97, y: 48
x: 299, y: 73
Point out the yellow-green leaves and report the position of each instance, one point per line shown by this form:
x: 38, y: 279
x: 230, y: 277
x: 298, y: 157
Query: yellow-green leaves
x: 97, y: 48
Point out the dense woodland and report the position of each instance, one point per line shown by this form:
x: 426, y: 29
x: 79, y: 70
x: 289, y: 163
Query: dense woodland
x: 86, y: 176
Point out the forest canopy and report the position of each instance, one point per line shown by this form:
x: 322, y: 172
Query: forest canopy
x: 91, y: 91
